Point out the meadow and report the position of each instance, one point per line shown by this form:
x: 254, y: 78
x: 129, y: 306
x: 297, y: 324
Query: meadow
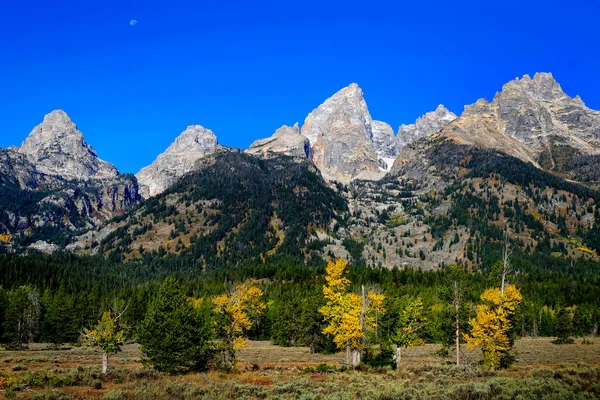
x: 542, y: 371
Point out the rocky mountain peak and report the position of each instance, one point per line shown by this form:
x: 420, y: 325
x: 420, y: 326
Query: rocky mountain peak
x: 532, y: 119
x: 341, y: 136
x: 349, y: 99
x: 57, y: 147
x: 543, y: 87
x: 57, y: 117
x: 286, y: 140
x: 178, y: 159
x: 426, y: 125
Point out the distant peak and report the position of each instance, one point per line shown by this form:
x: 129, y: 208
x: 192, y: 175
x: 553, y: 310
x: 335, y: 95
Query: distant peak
x: 195, y: 128
x: 57, y: 116
x: 349, y: 90
x: 543, y: 76
x: 442, y: 111
x: 195, y: 131
x: 543, y: 87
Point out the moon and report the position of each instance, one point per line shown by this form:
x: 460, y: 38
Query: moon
x: 133, y: 22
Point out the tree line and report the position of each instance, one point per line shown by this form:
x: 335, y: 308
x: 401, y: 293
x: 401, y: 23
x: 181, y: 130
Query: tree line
x: 328, y: 309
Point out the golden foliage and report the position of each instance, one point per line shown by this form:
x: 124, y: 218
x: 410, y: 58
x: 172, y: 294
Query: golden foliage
x: 7, y: 382
x: 108, y: 335
x: 6, y: 238
x: 343, y: 310
x: 492, y: 323
x: 241, y: 307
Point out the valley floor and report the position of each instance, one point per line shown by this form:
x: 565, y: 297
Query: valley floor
x: 543, y: 370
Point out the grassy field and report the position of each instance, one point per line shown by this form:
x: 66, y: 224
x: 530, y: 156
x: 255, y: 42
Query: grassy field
x: 542, y: 371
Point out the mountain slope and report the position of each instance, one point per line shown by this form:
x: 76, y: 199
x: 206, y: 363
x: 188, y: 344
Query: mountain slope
x: 234, y: 207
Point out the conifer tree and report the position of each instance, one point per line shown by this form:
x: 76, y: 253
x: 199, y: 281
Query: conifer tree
x: 59, y: 324
x: 22, y: 317
x: 564, y: 326
x: 174, y: 336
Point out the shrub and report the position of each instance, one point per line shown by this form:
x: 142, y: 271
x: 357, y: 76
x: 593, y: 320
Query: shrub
x: 384, y: 358
x: 115, y: 395
x: 324, y: 368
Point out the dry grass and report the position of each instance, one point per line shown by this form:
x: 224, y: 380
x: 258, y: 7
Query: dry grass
x: 270, y: 372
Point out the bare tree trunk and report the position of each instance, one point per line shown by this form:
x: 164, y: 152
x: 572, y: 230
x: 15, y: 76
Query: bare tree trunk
x: 356, y: 352
x: 456, y: 300
x: 104, y: 363
x: 376, y: 324
x: 506, y: 264
x: 348, y: 355
x: 363, y: 310
x: 355, y: 357
x: 398, y: 356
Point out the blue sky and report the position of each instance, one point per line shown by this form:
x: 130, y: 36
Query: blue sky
x: 243, y: 69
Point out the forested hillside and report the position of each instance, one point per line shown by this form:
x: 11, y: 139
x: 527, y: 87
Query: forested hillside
x: 233, y: 209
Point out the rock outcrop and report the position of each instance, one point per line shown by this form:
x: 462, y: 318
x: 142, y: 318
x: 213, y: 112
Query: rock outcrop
x: 285, y: 141
x: 57, y: 147
x: 341, y: 136
x: 178, y: 159
x: 430, y: 123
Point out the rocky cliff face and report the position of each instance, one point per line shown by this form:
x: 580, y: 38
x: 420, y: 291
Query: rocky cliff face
x: 178, y: 159
x: 424, y: 126
x: 57, y: 147
x: 385, y: 143
x: 532, y: 119
x: 285, y: 141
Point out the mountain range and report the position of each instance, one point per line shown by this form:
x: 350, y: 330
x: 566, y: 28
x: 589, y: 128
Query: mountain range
x: 339, y: 185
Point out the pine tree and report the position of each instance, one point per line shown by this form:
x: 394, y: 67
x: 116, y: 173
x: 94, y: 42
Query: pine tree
x: 564, y: 327
x: 311, y: 325
x: 174, y: 336
x: 59, y: 325
x: 22, y: 317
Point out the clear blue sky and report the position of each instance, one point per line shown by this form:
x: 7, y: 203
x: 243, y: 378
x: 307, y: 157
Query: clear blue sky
x: 245, y: 68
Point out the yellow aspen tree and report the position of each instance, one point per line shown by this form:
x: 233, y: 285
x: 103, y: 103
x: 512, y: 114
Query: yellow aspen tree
x: 108, y: 335
x: 492, y: 323
x: 239, y: 309
x: 349, y: 316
